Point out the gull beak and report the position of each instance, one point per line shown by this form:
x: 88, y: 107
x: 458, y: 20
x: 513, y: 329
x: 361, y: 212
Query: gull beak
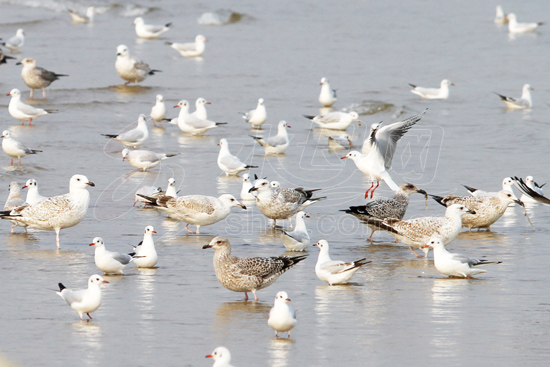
x: 118, y: 54
x: 104, y: 281
x: 24, y: 187
x: 307, y: 216
x: 252, y: 189
x: 288, y: 126
x: 471, y: 211
x: 90, y: 184
x: 208, y: 356
x: 203, y: 247
x: 123, y: 158
x: 520, y: 203
x: 207, y: 102
x: 316, y: 244
x: 288, y: 299
x: 154, y: 232
x: 425, y: 246
x: 205, y: 40
x: 344, y: 157
x: 242, y: 206
x: 91, y: 244
x: 358, y: 122
x: 176, y: 106
x: 422, y: 192
x: 18, y: 63
x: 9, y: 94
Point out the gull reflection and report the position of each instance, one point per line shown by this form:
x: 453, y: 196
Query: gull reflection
x: 278, y: 351
x: 235, y: 315
x: 88, y: 334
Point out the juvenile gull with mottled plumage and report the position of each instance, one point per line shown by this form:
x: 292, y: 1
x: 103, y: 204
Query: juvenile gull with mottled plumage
x: 36, y: 77
x: 385, y: 208
x: 247, y: 274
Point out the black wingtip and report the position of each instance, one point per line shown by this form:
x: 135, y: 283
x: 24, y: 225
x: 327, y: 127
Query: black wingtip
x: 251, y: 167
x: 412, y: 85
x: 310, y: 117
x: 61, y: 286
x: 221, y: 123
x: 439, y: 199
x: 470, y: 189
x: 168, y: 24
x: 152, y: 72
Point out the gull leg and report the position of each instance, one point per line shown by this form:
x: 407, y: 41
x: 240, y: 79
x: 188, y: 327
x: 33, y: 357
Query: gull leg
x: 188, y: 230
x: 245, y: 296
x: 371, y: 233
x: 396, y: 240
x: 12, y: 161
x: 32, y: 90
x: 255, y: 295
x: 198, y: 228
x: 87, y: 313
x: 414, y: 252
x: 44, y: 96
x: 276, y: 335
x: 288, y: 334
x: 372, y: 192
x: 57, y: 237
x: 19, y: 160
x: 30, y: 122
x: 367, y: 192
x: 12, y: 227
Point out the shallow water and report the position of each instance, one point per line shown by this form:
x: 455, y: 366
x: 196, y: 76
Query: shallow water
x: 398, y: 310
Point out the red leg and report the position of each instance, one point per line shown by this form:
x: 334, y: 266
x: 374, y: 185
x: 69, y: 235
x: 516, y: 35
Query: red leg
x: 245, y: 296
x: 367, y: 193
x: 87, y: 313
x: 372, y: 192
x: 30, y: 122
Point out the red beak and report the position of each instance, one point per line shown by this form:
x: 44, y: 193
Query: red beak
x: 344, y: 157
x: 91, y: 244
x: 104, y: 281
x: 208, y: 356
x: 154, y: 232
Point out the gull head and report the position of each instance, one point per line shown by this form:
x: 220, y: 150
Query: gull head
x: 529, y: 179
x: 409, y: 188
x: 302, y: 215
x: 6, y: 134
x: 434, y: 242
x: 97, y: 242
x: 14, y: 93
x: 508, y: 197
x: 260, y: 102
x: 222, y: 143
x: 324, y: 81
x: 182, y: 104
x: 446, y: 82
x: 260, y: 185
x: 322, y: 244
x: 160, y: 98
x: 282, y: 297
x: 508, y: 182
x: 80, y: 182
x: 30, y: 182
x: 246, y: 177
x: 511, y: 17
x: 28, y: 61
x: 230, y: 201
x: 459, y: 209
x: 96, y: 279
x: 149, y: 230
x: 527, y: 88
x: 171, y: 181
x: 283, y: 123
x: 220, y: 354
x: 138, y: 21
x: 125, y: 153
x: 201, y: 101
x: 122, y: 50
x: 217, y: 243
x: 200, y: 38
x: 352, y: 155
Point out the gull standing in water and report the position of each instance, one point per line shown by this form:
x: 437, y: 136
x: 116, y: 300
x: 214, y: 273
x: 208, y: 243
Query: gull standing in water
x: 247, y: 274
x: 15, y: 201
x: 500, y: 17
x: 145, y: 252
x: 507, y: 184
x: 88, y: 17
x: 515, y: 27
x: 191, y: 49
x: 418, y: 231
x: 282, y: 317
x: 433, y: 93
x: 275, y: 144
x: 327, y: 97
x: 33, y: 196
x: 200, y: 108
x: 297, y: 240
x: 83, y: 301
x: 334, y: 271
x: 247, y: 185
x: 109, y: 262
x: 129, y: 68
x: 144, y: 159
x: 24, y: 112
x: 147, y: 191
x: 189, y: 123
x: 148, y: 30
x: 36, y: 77
x: 135, y: 137
x: 14, y: 148
x: 282, y: 203
x: 488, y: 209
x: 524, y: 102
x: 229, y: 163
x: 15, y: 42
x: 158, y: 111
x: 58, y: 212
x: 385, y: 208
x: 256, y: 117
x: 335, y: 120
x: 340, y: 142
x: 455, y: 265
x: 378, y: 150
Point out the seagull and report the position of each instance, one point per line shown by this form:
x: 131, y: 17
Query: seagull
x: 335, y: 120
x: 14, y: 201
x: 149, y: 191
x: 129, y: 68
x: 135, y: 137
x: 229, y: 163
x: 247, y: 185
x: 524, y: 102
x: 24, y: 112
x: 221, y: 357
x: 282, y: 203
x: 327, y: 97
x: 433, y: 93
x: 158, y: 112
x: 198, y: 210
x: 377, y: 153
x: 417, y: 232
x: 334, y: 271
x: 189, y: 123
x: 529, y: 192
x: 83, y: 301
x: 500, y: 17
x: 455, y: 265
x: 33, y: 196
x: 256, y: 117
x: 14, y: 148
x: 282, y: 317
x: 144, y: 159
x: 15, y: 42
x: 385, y: 208
x: 200, y: 108
x: 107, y: 261
x: 515, y: 27
x: 14, y: 198
x: 247, y: 274
x: 145, y: 253
x: 83, y: 18
x: 3, y: 58
x: 58, y: 212
x: 149, y: 31
x: 275, y: 144
x: 171, y: 188
x: 488, y: 209
x: 507, y: 184
x: 193, y: 49
x: 297, y: 240
x: 36, y: 77
x: 530, y: 182
x: 340, y: 142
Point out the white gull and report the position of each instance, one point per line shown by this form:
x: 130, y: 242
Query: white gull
x: 507, y: 184
x: 109, y: 262
x: 15, y: 42
x: 524, y: 102
x: 191, y: 49
x: 22, y: 111
x: 340, y: 142
x: 515, y: 27
x: 148, y: 30
x: 190, y: 123
x: 14, y: 148
x: 200, y: 108
x: 297, y: 240
x: 530, y: 182
x: 221, y: 357
x: 335, y: 120
x: 130, y: 68
x: 334, y: 271
x: 282, y: 317
x: 83, y: 301
x: 257, y: 116
x: 275, y: 144
x: 229, y: 163
x: 87, y: 17
x: 247, y: 185
x: 433, y: 93
x: 500, y: 17
x: 145, y: 252
x: 134, y: 137
x: 327, y: 97
x: 144, y: 159
x: 33, y: 196
x: 158, y: 111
